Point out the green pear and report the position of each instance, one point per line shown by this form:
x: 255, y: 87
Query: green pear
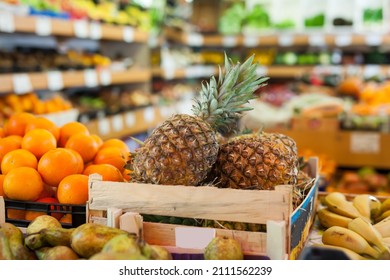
x: 223, y: 248
x: 41, y: 222
x: 16, y: 242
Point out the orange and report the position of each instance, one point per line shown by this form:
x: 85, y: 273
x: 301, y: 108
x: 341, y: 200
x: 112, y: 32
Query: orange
x: 1, y: 185
x: 126, y: 175
x: 8, y: 144
x: 73, y: 189
x: 48, y: 191
x: 98, y: 139
x: 23, y: 183
x: 16, y: 124
x: 84, y: 144
x: 67, y: 218
x: 31, y: 215
x: 107, y: 171
x: 79, y: 159
x: 39, y: 141
x: 69, y: 129
x: 114, y: 142
x: 1, y: 132
x: 16, y: 214
x: 56, y: 164
x: 111, y: 155
x: 41, y: 122
x: 18, y: 158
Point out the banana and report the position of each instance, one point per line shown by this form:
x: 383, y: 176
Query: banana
x: 375, y: 206
x: 328, y: 219
x: 383, y: 216
x: 346, y: 238
x: 370, y: 233
x: 338, y: 204
x: 383, y: 227
x: 385, y: 205
x: 362, y: 204
x: 350, y: 254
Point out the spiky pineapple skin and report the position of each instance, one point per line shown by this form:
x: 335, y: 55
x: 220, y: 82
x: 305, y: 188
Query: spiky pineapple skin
x: 181, y: 151
x: 257, y: 161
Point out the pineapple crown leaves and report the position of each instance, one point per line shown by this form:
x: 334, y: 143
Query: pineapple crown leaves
x: 220, y: 103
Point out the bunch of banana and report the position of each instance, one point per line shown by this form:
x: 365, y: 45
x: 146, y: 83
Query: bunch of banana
x: 361, y: 227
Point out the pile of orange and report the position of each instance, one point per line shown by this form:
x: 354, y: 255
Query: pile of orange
x: 40, y: 161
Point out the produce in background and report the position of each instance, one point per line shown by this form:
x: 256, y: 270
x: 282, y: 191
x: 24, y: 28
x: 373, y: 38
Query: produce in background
x: 184, y: 148
x: 360, y: 225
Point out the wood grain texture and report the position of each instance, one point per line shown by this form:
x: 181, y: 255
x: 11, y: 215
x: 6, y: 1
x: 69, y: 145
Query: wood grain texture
x: 251, y: 206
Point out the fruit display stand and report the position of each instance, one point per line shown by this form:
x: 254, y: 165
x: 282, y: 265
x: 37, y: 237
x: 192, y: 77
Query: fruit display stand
x: 286, y: 233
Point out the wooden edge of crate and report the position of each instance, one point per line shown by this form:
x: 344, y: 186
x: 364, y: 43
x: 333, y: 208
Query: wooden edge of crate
x: 251, y: 206
x: 2, y: 210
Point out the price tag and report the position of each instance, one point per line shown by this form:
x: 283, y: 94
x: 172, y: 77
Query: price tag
x: 117, y: 122
x: 128, y: 34
x: 352, y: 70
x: 195, y: 238
x: 373, y: 39
x: 54, y: 80
x: 194, y: 71
x: 169, y: 73
x: 286, y: 40
x: 371, y: 71
x: 365, y: 143
x: 149, y: 114
x: 130, y: 119
x: 261, y: 71
x: 80, y: 28
x: 166, y: 111
x: 229, y: 41
x: 184, y: 106
x: 21, y: 83
x: 7, y: 22
x: 209, y: 70
x: 95, y: 31
x: 343, y: 40
x: 43, y: 26
x: 317, y: 40
x: 105, y: 77
x: 104, y: 126
x: 195, y: 39
x: 251, y: 41
x: 90, y: 78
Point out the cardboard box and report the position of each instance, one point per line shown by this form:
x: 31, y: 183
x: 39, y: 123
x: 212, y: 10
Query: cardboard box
x: 286, y: 233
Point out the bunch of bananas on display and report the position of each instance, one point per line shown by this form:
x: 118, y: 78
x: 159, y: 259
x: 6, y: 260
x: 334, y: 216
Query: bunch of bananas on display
x: 360, y: 227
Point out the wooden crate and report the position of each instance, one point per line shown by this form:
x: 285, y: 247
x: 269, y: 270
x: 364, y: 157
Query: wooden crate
x: 287, y: 230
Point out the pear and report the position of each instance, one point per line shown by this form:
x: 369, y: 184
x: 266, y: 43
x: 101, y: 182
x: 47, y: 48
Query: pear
x: 223, y: 248
x: 122, y: 243
x: 57, y: 253
x: 41, y: 222
x: 5, y: 250
x: 49, y: 237
x: 16, y: 242
x: 155, y: 252
x: 89, y: 239
x: 116, y: 256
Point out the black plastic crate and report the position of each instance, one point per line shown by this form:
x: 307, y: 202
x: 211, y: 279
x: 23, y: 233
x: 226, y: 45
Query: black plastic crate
x: 77, y: 211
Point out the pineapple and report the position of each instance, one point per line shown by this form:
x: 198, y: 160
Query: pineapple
x: 183, y: 149
x: 257, y: 161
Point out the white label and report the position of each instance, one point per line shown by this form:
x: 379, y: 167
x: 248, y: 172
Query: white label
x: 149, y: 114
x: 21, y: 83
x: 130, y: 119
x: 104, y: 126
x: 90, y: 78
x: 166, y: 111
x: 286, y: 40
x: 343, y: 40
x: 43, y: 26
x: 229, y: 41
x: 153, y: 41
x: 54, y: 80
x: 352, y: 70
x: 251, y: 41
x: 169, y: 73
x: 95, y: 31
x: 332, y: 69
x: 7, y: 22
x: 261, y: 71
x: 117, y: 122
x: 317, y: 40
x: 371, y: 71
x: 195, y: 39
x: 128, y: 34
x: 194, y: 238
x: 194, y: 71
x: 80, y: 28
x: 365, y: 143
x: 373, y: 39
x: 105, y: 77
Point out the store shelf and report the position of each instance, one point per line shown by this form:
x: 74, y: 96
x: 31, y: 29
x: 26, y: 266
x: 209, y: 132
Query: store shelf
x: 347, y: 148
x: 46, y: 26
x: 24, y: 82
x: 205, y: 71
x: 279, y: 39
